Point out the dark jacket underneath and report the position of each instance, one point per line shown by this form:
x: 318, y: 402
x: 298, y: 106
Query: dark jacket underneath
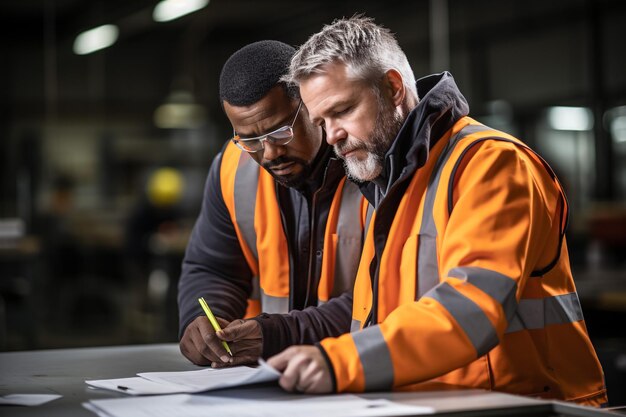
x: 215, y: 268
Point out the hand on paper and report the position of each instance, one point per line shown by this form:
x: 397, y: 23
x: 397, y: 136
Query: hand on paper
x: 245, y: 339
x: 304, y: 370
x: 201, y: 346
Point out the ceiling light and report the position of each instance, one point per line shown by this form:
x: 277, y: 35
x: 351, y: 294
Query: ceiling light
x: 173, y: 9
x: 570, y: 118
x: 95, y: 39
x: 180, y: 111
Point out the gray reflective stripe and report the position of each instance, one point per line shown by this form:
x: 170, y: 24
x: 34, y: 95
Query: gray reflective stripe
x: 320, y: 302
x: 375, y: 359
x: 499, y: 287
x: 246, y: 182
x: 271, y: 304
x: 470, y: 317
x: 355, y: 325
x: 537, y: 313
x: 427, y: 261
x: 349, y: 243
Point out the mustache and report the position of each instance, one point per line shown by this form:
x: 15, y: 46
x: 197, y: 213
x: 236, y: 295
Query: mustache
x: 345, y: 147
x: 282, y: 160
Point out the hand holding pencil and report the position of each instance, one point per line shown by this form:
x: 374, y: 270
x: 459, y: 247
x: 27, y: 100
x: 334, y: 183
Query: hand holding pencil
x: 214, y: 323
x: 221, y: 343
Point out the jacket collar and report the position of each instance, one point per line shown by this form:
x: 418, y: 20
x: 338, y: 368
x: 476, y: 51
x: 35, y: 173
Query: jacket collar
x: 440, y: 106
x: 326, y: 170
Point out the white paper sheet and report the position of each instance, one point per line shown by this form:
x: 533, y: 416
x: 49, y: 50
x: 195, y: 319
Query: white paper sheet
x: 28, y: 399
x: 137, y: 386
x: 185, y: 405
x: 189, y: 381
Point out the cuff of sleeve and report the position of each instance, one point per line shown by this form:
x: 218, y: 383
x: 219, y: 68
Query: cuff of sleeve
x: 331, y: 370
x: 273, y: 334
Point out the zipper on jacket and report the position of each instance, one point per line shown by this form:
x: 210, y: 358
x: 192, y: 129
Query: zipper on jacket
x: 289, y: 248
x: 372, y: 317
x: 313, y: 234
x: 313, y: 231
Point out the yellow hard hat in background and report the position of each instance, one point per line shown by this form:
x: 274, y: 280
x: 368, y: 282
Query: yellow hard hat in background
x: 165, y: 187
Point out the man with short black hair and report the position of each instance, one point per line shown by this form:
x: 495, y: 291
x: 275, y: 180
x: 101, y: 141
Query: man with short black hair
x: 279, y: 228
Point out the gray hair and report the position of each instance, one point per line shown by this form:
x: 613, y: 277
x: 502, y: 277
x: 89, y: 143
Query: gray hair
x: 368, y: 50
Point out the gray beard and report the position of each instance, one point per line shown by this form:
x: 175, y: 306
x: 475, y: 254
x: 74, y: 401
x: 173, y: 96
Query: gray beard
x: 388, y: 124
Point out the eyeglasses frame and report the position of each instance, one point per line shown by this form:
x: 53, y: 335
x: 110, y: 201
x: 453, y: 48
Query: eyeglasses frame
x: 264, y: 137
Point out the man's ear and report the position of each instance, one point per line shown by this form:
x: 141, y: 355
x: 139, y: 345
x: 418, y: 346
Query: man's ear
x: 395, y: 86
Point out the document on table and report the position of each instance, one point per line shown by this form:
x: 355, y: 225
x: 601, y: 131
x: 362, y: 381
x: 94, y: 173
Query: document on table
x: 27, y: 399
x: 188, y: 381
x: 185, y: 405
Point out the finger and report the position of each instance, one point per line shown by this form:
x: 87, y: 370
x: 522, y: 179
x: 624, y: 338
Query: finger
x: 292, y: 375
x: 196, y: 330
x: 240, y: 330
x: 236, y: 361
x: 280, y: 361
x: 206, y: 341
x: 315, y: 379
x: 307, y: 377
x: 222, y: 322
x: 189, y: 350
x: 214, y: 344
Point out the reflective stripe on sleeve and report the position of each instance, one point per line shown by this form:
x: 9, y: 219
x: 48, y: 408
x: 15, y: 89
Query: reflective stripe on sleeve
x: 468, y: 315
x: 538, y: 313
x: 246, y: 184
x: 375, y: 358
x: 271, y: 304
x: 499, y: 286
x: 355, y: 325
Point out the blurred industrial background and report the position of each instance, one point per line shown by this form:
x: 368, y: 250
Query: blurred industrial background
x: 103, y: 154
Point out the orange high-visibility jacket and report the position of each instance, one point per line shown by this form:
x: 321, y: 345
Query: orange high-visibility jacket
x: 249, y: 193
x: 473, y: 286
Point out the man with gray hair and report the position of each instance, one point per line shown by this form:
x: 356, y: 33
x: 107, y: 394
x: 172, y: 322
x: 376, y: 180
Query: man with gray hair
x: 464, y: 277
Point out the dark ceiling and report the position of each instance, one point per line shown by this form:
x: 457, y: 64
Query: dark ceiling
x: 150, y: 58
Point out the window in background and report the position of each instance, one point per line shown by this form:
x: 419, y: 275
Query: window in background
x: 615, y: 121
x: 565, y: 138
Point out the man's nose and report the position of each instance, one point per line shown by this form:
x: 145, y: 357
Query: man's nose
x: 334, y: 133
x: 272, y: 151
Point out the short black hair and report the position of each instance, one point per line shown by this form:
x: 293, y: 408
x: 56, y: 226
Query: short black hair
x: 251, y: 72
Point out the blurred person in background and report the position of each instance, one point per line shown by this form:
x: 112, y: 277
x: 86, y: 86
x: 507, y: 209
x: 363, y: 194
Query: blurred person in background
x: 61, y: 254
x: 152, y: 232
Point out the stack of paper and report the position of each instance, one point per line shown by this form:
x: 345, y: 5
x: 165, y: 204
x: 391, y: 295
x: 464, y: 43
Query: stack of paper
x: 188, y: 381
x: 202, y: 406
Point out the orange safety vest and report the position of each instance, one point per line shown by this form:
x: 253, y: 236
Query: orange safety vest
x: 249, y: 193
x: 474, y: 284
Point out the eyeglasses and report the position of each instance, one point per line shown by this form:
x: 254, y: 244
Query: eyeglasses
x: 280, y: 136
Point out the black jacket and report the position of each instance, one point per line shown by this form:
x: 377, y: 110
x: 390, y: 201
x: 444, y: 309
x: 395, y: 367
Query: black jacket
x: 214, y: 266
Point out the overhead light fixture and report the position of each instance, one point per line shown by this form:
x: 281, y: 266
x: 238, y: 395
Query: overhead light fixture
x: 570, y: 118
x: 180, y: 111
x: 168, y: 10
x: 95, y: 39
